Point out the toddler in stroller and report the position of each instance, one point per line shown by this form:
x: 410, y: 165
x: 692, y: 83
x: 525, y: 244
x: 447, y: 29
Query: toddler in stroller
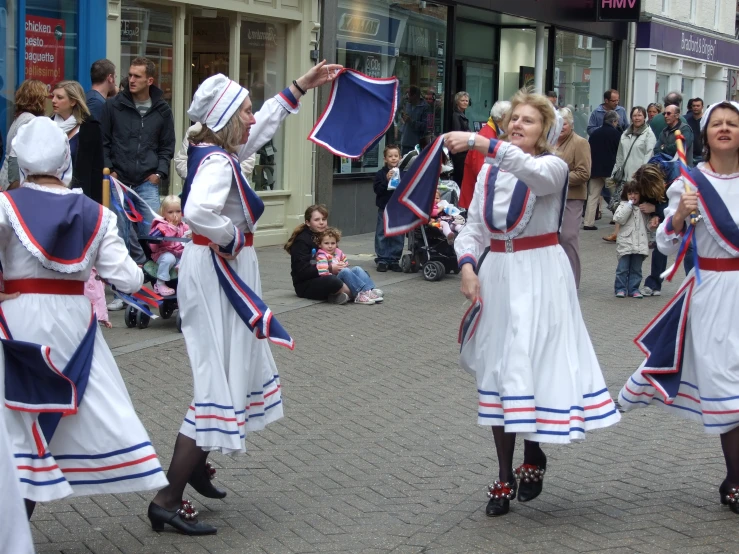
x: 167, y: 254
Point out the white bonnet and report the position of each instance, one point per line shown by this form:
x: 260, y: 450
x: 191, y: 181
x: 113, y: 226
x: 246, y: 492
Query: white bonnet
x: 216, y: 100
x: 556, y: 128
x: 42, y: 148
x: 707, y: 114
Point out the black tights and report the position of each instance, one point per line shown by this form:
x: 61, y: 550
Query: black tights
x: 187, y: 457
x: 505, y: 444
x: 730, y: 446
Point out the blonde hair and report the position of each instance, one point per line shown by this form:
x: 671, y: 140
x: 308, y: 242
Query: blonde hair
x: 230, y: 137
x: 76, y: 94
x: 169, y: 201
x: 542, y: 105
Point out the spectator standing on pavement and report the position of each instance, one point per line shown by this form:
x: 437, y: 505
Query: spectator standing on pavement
x: 611, y: 98
x: 103, y: 78
x: 460, y: 123
x: 703, y: 385
x: 387, y: 249
x: 413, y: 117
x: 603, y: 148
x: 552, y: 97
x: 693, y: 117
x: 634, y: 150
x: 658, y: 123
x: 138, y: 143
x: 474, y: 161
x: 85, y: 139
x: 575, y: 151
x: 30, y: 102
x: 652, y: 110
x: 666, y: 140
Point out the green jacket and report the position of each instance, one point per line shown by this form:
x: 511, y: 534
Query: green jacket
x: 658, y: 123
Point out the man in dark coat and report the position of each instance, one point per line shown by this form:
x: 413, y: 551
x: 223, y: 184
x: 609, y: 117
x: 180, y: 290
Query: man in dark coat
x: 603, y: 149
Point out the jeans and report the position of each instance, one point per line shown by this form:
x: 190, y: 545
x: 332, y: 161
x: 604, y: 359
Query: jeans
x: 659, y: 264
x: 628, y: 273
x: 165, y: 263
x: 387, y: 249
x: 357, y: 279
x: 130, y: 232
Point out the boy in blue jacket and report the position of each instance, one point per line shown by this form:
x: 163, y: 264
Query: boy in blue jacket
x: 387, y: 249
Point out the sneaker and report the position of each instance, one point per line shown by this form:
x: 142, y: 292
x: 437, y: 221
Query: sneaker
x: 163, y: 290
x: 649, y: 291
x: 374, y: 296
x: 378, y: 292
x: 637, y: 294
x: 621, y: 294
x: 115, y: 305
x: 382, y: 267
x: 364, y: 298
x: 339, y: 298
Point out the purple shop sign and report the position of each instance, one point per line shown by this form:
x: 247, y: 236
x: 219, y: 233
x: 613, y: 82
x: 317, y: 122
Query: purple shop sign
x: 687, y: 43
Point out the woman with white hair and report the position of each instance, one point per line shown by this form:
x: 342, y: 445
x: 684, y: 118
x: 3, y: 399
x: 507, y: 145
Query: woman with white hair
x: 524, y: 338
x: 474, y: 160
x: 575, y: 151
x: 50, y: 237
x: 237, y: 388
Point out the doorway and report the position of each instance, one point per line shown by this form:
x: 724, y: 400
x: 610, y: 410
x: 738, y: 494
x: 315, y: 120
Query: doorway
x: 209, y: 48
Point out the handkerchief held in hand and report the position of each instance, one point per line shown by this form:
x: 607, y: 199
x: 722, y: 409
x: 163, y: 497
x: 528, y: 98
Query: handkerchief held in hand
x: 359, y: 112
x: 411, y: 203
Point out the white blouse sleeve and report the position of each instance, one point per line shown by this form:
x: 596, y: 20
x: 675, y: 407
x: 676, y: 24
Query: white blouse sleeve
x: 208, y: 194
x: 113, y: 262
x: 474, y: 236
x: 268, y: 120
x: 668, y: 240
x: 542, y: 174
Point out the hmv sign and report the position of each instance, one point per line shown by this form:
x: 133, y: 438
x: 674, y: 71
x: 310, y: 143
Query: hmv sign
x: 618, y: 10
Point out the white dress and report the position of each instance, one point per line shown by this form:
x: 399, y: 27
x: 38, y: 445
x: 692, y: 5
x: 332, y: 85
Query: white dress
x: 15, y: 533
x: 237, y: 387
x: 708, y: 390
x: 103, y: 448
x: 536, y: 371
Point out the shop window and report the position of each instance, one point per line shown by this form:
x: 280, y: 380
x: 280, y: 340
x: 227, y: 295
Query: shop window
x: 405, y: 39
x: 517, y: 61
x: 51, y: 40
x: 581, y: 74
x: 8, y: 53
x: 660, y: 88
x: 262, y: 71
x: 148, y: 31
x: 475, y: 69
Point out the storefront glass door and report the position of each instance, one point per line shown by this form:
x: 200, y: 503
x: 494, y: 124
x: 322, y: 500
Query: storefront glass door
x: 479, y: 85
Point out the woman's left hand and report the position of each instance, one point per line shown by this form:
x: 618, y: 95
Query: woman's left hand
x: 457, y: 141
x: 647, y: 208
x: 319, y: 74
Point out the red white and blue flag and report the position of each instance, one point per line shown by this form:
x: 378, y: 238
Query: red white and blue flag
x: 359, y: 112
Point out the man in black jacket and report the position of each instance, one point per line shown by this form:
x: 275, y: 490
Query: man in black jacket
x: 603, y: 147
x: 138, y: 144
x: 387, y: 249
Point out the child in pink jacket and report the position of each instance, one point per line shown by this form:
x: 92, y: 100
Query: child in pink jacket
x: 168, y: 253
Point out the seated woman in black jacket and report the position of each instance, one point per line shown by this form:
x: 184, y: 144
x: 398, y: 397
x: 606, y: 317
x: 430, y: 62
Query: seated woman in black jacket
x: 301, y: 247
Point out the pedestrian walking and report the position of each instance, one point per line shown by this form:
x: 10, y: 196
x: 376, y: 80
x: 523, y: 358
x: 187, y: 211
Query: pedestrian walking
x: 50, y: 237
x: 666, y: 140
x: 104, y: 84
x: 652, y: 110
x: 611, y: 98
x: 524, y: 338
x: 693, y: 117
x: 237, y: 388
x: 692, y: 345
x: 658, y: 123
x: 460, y: 123
x: 575, y: 151
x: 603, y: 148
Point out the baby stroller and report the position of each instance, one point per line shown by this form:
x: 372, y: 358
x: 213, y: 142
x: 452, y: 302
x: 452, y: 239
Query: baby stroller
x: 137, y: 318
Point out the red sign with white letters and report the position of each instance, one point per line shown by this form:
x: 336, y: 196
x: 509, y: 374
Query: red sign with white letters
x: 45, y: 49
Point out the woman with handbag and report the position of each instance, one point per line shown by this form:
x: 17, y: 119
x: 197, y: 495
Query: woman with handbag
x: 634, y: 150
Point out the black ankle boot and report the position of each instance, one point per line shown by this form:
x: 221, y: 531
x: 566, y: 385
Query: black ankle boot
x: 531, y: 480
x: 729, y: 496
x: 184, y: 519
x: 200, y: 480
x: 500, y: 495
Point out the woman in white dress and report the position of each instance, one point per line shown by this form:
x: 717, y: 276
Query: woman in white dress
x: 237, y: 388
x: 524, y: 339
x: 692, y: 346
x: 50, y: 237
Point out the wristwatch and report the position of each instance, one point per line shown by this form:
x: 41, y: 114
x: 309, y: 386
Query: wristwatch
x: 471, y: 140
x: 159, y: 175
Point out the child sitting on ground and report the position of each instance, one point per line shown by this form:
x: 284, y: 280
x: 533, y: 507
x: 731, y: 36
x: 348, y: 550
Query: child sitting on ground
x: 167, y: 253
x: 446, y: 217
x: 357, y: 279
x: 632, y: 242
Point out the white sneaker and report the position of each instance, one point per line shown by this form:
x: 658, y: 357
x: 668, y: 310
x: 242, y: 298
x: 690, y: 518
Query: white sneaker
x: 116, y: 305
x: 648, y: 291
x: 364, y: 298
x: 373, y: 296
x: 378, y: 292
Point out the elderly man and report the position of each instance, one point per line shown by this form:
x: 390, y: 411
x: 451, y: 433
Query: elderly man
x: 657, y: 123
x: 611, y: 98
x: 603, y: 148
x: 574, y: 150
x: 475, y: 160
x: 666, y: 140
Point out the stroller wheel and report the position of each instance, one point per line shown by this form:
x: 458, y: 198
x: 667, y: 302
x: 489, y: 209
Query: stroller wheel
x: 433, y: 271
x: 405, y: 263
x: 442, y: 271
x: 167, y: 309
x: 130, y: 317
x: 142, y: 320
x: 415, y: 263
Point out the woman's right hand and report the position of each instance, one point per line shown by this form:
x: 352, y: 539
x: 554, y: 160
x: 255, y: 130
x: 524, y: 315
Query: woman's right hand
x: 688, y: 203
x: 4, y: 297
x: 470, y: 286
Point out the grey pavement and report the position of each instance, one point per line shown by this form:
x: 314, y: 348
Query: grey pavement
x: 379, y: 450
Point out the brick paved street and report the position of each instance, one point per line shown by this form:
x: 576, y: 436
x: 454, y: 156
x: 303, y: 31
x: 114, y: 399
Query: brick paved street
x: 380, y: 450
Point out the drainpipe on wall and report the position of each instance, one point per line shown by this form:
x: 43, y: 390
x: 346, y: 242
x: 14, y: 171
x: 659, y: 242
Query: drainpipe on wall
x: 630, y: 66
x: 539, y: 61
